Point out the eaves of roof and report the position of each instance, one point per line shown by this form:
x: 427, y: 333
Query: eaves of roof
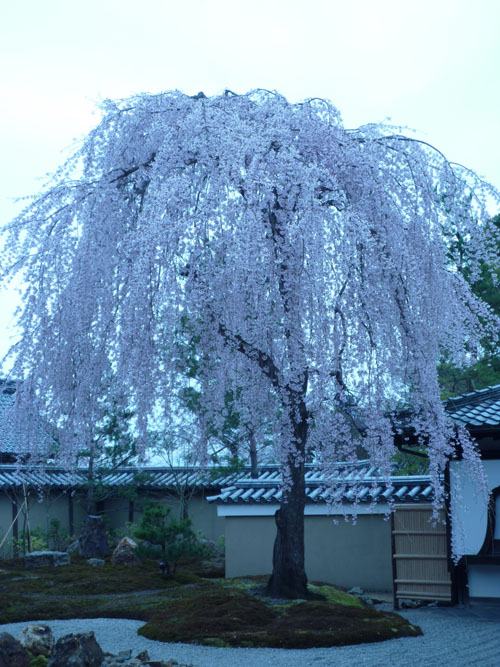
x: 476, y: 410
x: 372, y: 494
x: 360, y: 483
x: 12, y: 476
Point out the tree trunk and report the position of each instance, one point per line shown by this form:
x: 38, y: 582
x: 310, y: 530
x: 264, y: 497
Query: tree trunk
x: 254, y: 461
x: 90, y: 484
x: 184, y: 500
x: 289, y: 579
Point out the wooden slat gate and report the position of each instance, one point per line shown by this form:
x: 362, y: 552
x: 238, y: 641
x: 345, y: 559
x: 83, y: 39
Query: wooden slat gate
x: 419, y: 556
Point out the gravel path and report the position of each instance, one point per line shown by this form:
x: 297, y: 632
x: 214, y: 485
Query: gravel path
x: 452, y: 637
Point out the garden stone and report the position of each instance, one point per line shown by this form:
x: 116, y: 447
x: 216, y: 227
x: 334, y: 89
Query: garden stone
x: 411, y: 604
x: 93, y: 541
x: 37, y: 639
x: 121, y: 658
x: 124, y: 554
x: 214, y: 556
x: 95, y: 562
x: 77, y: 650
x: 212, y: 549
x: 359, y: 593
x: 73, y: 547
x: 125, y: 655
x: 12, y: 653
x: 46, y: 559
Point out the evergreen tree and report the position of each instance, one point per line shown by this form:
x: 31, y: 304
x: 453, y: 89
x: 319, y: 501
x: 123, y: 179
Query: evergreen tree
x: 485, y: 371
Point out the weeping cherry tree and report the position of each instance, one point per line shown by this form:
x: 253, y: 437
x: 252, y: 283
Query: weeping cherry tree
x: 311, y: 262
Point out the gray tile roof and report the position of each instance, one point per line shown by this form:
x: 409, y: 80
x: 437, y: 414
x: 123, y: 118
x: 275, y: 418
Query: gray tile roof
x: 359, y: 482
x: 147, y: 478
x: 362, y: 481
x: 8, y: 441
x: 477, y: 409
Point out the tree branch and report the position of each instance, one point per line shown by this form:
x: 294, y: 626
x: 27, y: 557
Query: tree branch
x: 263, y: 360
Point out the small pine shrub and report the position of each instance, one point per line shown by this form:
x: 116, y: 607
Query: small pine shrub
x: 38, y: 661
x: 170, y: 539
x: 58, y: 538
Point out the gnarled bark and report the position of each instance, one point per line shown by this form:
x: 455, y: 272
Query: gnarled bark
x: 289, y: 579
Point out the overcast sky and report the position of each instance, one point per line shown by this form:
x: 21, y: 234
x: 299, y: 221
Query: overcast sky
x: 431, y: 66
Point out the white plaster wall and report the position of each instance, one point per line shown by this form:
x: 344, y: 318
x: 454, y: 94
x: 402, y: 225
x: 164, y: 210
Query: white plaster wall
x: 496, y: 535
x: 484, y: 581
x: 343, y: 553
x: 5, y: 524
x: 320, y: 509
x: 469, y: 515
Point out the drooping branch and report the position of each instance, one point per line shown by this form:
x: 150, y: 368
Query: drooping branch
x: 293, y: 231
x: 131, y: 170
x: 253, y: 354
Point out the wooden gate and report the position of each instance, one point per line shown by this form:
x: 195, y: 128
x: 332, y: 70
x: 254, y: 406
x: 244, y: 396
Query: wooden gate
x: 420, y: 563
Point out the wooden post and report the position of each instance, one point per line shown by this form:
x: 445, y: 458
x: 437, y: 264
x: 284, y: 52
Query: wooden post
x: 26, y: 502
x: 71, y: 516
x: 461, y: 592
x: 395, y: 600
x: 15, y: 525
x: 452, y: 568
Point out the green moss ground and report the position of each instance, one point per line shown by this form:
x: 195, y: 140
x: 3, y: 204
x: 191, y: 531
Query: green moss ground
x: 193, y: 607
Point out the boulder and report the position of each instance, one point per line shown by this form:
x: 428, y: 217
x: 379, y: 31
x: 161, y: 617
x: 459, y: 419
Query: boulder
x: 73, y: 547
x: 359, y: 593
x: 12, y: 653
x: 77, y: 650
x: 214, y: 555
x: 37, y: 639
x: 95, y: 562
x: 124, y: 554
x: 212, y: 549
x: 46, y: 559
x: 126, y: 654
x: 93, y: 541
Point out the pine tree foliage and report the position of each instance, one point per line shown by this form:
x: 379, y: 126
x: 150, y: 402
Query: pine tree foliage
x: 484, y: 368
x: 312, y: 262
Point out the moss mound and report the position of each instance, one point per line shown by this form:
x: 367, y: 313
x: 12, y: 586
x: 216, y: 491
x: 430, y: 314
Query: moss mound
x: 217, y: 615
x: 190, y: 608
x: 316, y: 624
x: 333, y: 594
x: 236, y: 618
x: 80, y: 578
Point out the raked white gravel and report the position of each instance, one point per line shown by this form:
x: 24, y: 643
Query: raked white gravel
x: 448, y: 641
